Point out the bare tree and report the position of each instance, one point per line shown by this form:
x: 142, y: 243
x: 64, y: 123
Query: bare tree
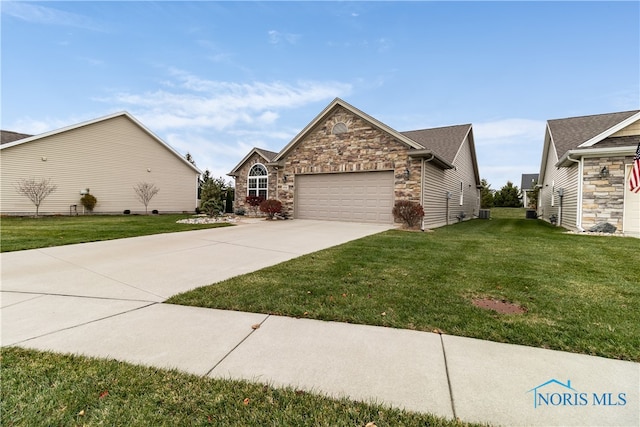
x: 145, y: 192
x: 36, y: 191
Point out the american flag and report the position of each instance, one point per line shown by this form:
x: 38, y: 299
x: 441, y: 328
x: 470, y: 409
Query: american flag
x: 634, y: 178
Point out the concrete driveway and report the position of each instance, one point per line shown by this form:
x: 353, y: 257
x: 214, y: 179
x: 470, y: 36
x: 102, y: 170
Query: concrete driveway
x: 104, y: 300
x: 153, y: 268
x: 44, y: 290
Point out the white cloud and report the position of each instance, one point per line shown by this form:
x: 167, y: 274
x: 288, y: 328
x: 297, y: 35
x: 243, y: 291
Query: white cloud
x: 514, y: 129
x: 508, y: 148
x: 276, y: 37
x: 46, y: 15
x: 188, y: 101
x: 218, y: 122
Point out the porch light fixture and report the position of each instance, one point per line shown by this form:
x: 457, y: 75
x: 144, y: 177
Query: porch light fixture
x: 407, y: 173
x: 604, y: 172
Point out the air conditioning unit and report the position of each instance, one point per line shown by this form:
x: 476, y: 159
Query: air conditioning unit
x: 484, y: 214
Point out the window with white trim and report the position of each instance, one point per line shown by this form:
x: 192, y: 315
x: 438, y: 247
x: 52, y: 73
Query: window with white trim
x: 461, y: 194
x: 257, y: 182
x: 553, y: 193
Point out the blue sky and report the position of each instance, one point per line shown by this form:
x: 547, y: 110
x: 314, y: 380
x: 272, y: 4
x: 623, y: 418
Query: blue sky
x: 217, y: 78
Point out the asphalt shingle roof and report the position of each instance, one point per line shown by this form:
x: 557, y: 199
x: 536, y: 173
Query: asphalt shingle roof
x: 269, y: 155
x: 527, y: 181
x: 569, y: 133
x: 7, y: 136
x: 444, y: 141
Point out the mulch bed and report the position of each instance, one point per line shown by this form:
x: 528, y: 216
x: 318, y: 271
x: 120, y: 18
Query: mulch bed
x: 500, y: 306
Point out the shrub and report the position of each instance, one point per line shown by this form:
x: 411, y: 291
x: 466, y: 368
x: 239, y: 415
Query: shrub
x: 89, y: 202
x: 271, y: 207
x: 212, y: 207
x: 408, y: 212
x: 254, y: 202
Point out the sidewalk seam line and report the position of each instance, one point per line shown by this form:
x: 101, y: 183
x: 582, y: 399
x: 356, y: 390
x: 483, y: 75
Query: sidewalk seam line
x: 81, y: 324
x: 234, y: 348
x: 446, y: 369
x: 98, y: 273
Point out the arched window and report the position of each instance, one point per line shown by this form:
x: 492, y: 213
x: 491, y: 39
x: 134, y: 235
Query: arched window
x: 258, y: 181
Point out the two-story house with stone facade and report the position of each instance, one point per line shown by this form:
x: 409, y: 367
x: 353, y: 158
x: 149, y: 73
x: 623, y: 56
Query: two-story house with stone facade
x: 346, y: 165
x: 584, y: 173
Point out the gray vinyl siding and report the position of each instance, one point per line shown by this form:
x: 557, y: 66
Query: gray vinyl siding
x: 438, y: 209
x: 434, y: 201
x: 567, y: 179
x: 462, y: 173
x: 109, y: 157
x: 545, y: 206
x: 554, y: 179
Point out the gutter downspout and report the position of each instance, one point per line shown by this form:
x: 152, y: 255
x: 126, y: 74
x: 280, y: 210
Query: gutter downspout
x: 422, y: 172
x: 579, y: 212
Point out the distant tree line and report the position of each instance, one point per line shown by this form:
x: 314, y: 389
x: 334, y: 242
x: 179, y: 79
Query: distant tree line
x: 509, y: 196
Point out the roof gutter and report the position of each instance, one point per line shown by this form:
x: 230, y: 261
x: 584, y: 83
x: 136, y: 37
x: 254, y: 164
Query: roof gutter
x: 579, y: 203
x: 565, y: 160
x: 436, y: 160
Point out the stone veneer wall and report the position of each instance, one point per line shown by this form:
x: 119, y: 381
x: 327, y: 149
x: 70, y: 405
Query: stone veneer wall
x: 241, y: 182
x: 362, y: 148
x: 603, y: 198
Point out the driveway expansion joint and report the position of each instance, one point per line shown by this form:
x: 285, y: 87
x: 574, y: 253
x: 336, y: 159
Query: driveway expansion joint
x: 82, y: 324
x: 253, y: 330
x: 446, y: 369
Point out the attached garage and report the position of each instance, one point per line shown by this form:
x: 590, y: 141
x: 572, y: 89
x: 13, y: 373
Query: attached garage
x: 347, y: 166
x: 356, y: 196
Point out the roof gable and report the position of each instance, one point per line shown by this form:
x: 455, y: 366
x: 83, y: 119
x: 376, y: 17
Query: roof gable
x: 98, y: 120
x: 586, y: 131
x: 328, y: 111
x: 267, y: 155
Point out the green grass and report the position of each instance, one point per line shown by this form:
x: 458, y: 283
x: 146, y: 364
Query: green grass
x: 18, y: 233
x: 581, y: 293
x: 46, y: 389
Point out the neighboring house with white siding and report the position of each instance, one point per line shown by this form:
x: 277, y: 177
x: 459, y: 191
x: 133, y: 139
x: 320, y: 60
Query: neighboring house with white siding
x: 108, y: 156
x: 584, y: 173
x: 346, y: 165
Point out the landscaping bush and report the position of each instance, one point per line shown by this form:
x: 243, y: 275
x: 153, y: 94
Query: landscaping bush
x: 408, y: 212
x: 212, y: 207
x: 254, y: 202
x: 271, y: 207
x: 89, y: 202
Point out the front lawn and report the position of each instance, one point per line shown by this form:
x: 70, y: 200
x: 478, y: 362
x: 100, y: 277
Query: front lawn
x: 581, y: 293
x: 18, y: 233
x: 46, y: 389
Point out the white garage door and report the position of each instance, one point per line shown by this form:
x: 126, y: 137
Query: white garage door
x: 631, y: 219
x: 356, y: 197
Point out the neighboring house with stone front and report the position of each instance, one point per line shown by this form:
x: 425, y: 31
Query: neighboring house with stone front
x: 346, y: 165
x: 584, y: 174
x: 107, y: 156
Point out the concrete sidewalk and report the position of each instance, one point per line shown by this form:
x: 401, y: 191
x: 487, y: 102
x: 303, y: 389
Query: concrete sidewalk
x: 88, y: 299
